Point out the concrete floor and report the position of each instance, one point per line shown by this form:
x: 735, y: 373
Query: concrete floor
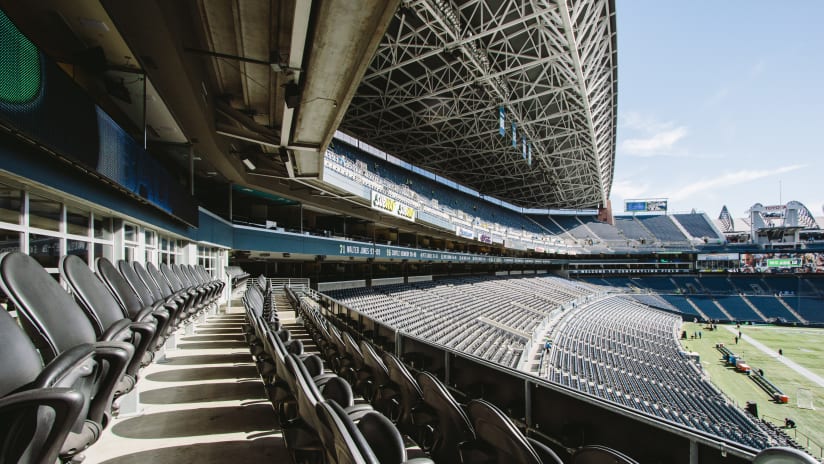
x: 205, y: 404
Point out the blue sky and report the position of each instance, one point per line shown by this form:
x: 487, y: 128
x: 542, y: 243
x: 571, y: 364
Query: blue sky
x: 718, y: 101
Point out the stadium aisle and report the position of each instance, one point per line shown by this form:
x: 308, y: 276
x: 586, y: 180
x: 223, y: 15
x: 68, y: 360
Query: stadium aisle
x: 786, y: 361
x: 206, y: 404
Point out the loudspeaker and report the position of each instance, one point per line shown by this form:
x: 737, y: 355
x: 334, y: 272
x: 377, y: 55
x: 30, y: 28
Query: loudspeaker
x: 291, y: 95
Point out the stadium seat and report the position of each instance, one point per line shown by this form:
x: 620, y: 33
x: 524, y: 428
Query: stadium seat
x: 58, y: 329
x: 783, y: 455
x: 104, y: 312
x: 596, y: 454
x: 55, y: 324
x: 449, y: 423
x: 409, y: 394
x: 372, y: 441
x: 382, y: 390
x: 43, y: 409
x: 501, y: 441
x: 131, y: 303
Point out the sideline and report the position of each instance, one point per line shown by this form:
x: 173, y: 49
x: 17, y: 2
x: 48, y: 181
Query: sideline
x: 787, y: 362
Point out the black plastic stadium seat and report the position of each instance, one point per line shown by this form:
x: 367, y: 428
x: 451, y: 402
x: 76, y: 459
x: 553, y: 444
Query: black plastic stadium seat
x: 57, y: 327
x: 500, y: 440
x: 450, y: 425
x: 374, y: 442
x: 39, y: 407
x: 129, y: 301
x: 104, y: 312
x: 383, y: 391
x: 409, y: 394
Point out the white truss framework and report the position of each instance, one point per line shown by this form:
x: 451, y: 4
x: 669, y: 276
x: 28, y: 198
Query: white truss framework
x: 432, y: 92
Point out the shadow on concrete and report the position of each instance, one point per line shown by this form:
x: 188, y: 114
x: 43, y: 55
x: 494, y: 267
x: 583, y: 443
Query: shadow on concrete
x: 214, y: 345
x: 199, y: 422
x: 266, y: 449
x: 204, y: 393
x: 234, y: 358
x: 205, y: 373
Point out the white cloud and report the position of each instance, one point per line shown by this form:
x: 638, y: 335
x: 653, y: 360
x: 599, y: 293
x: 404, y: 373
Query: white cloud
x: 624, y: 189
x: 637, y: 121
x: 726, y: 180
x: 658, y: 143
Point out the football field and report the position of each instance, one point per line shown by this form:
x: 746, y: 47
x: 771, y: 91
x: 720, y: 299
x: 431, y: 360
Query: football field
x: 802, y: 345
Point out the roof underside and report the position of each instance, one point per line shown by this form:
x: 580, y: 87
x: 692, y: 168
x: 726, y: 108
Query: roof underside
x: 432, y: 93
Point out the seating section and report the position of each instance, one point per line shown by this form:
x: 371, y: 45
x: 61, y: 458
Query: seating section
x: 237, y: 276
x: 316, y: 410
x: 92, y: 346
x: 697, y: 225
x: 664, y: 230
x: 491, y: 318
x: 730, y: 292
x: 628, y: 354
x: 633, y: 229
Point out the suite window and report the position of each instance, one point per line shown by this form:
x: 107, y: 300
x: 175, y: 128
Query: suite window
x: 45, y: 249
x: 77, y: 222
x: 44, y: 213
x: 11, y: 204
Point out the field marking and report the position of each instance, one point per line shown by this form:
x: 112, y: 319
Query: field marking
x: 787, y: 362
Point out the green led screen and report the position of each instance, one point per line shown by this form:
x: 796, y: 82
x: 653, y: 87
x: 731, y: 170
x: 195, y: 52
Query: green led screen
x: 19, y: 65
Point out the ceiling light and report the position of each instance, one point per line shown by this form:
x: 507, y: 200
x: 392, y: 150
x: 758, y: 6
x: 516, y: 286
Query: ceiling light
x: 249, y: 164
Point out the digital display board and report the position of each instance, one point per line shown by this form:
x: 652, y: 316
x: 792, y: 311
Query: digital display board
x: 644, y: 206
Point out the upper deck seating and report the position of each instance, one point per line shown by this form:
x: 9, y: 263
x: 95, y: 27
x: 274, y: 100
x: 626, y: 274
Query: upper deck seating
x: 697, y: 225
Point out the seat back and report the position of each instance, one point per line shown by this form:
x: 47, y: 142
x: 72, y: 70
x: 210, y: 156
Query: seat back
x: 51, y: 317
x: 408, y: 389
x: 148, y: 281
x: 383, y: 438
x: 453, y: 426
x: 495, y: 429
x: 102, y: 309
x: 170, y: 276
x: 340, y: 437
x: 160, y: 279
x: 306, y: 392
x: 136, y: 283
x: 375, y: 364
x: 129, y: 301
x: 35, y: 422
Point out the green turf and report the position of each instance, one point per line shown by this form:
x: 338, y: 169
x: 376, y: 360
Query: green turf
x: 803, y: 346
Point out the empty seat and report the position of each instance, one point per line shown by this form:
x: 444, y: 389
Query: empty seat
x: 501, y: 441
x: 104, y: 312
x: 55, y: 324
x: 43, y: 409
x: 450, y: 425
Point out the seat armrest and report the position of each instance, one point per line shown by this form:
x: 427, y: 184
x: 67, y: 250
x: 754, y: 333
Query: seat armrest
x: 67, y: 367
x: 115, y: 357
x: 119, y: 331
x: 67, y: 405
x: 544, y: 452
x: 144, y: 313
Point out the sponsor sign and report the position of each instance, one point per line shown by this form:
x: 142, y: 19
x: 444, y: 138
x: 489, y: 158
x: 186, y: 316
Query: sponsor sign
x: 385, y: 204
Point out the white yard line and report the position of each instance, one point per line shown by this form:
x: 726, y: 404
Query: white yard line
x: 787, y: 362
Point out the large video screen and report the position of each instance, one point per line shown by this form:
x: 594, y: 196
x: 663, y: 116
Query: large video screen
x: 38, y: 100
x: 643, y: 206
x: 782, y: 263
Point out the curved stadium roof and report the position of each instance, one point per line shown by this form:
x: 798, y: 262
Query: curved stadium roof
x: 432, y: 93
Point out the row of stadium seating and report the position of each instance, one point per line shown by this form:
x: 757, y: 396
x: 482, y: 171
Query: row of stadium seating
x: 461, y: 209
x: 81, y: 353
x: 499, y: 315
x: 729, y: 298
x: 424, y: 409
x: 627, y: 353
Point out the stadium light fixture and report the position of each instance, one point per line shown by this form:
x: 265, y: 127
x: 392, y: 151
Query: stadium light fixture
x: 249, y: 164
